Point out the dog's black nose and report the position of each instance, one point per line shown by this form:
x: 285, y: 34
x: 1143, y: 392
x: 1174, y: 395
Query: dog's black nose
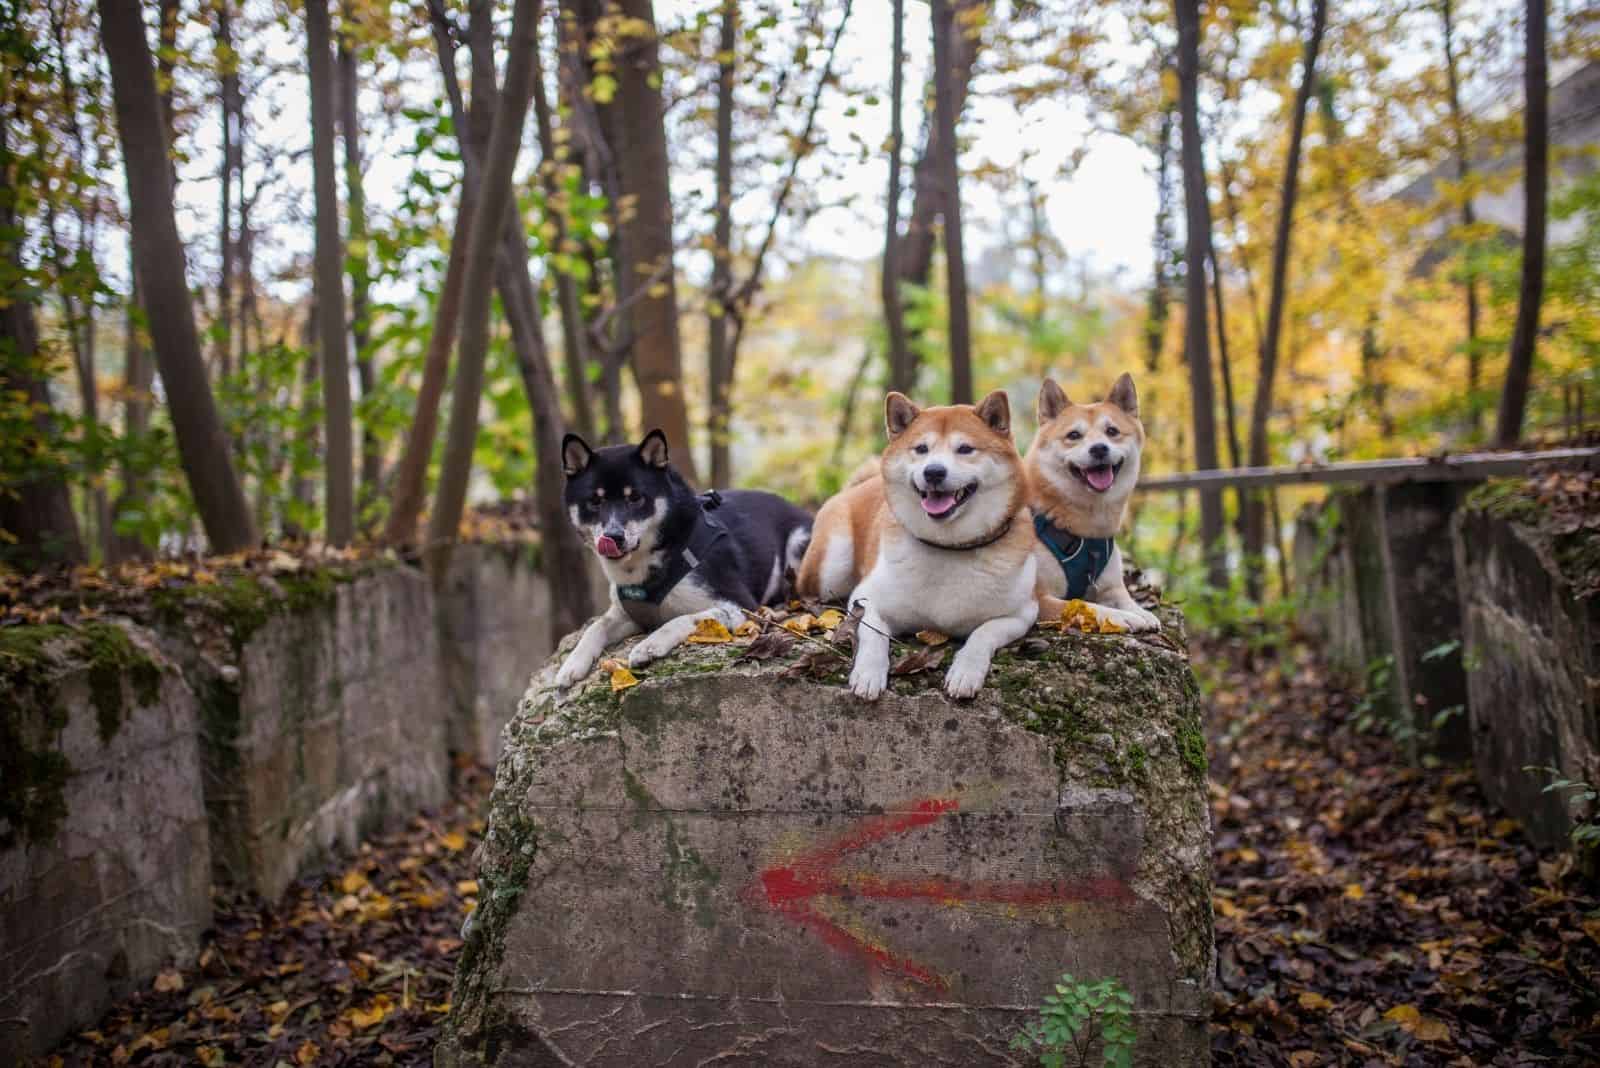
x: 1100, y: 451
x: 934, y: 474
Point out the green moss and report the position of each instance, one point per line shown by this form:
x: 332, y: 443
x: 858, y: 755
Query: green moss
x: 33, y: 660
x: 1192, y: 747
x: 1575, y: 553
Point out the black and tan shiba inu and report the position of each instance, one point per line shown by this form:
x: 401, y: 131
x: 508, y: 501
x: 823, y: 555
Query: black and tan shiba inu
x: 1081, y: 470
x: 673, y: 557
x: 938, y: 538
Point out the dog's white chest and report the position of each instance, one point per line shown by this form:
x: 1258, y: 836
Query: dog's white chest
x: 915, y: 586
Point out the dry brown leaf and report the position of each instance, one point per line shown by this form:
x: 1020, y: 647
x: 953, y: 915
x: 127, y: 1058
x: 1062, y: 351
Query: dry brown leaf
x: 800, y: 624
x: 747, y: 629
x: 168, y: 982
x: 768, y: 646
x: 916, y: 661
x: 932, y: 638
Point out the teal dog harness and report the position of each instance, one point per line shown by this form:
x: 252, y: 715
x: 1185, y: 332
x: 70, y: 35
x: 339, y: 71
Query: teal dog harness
x: 1082, y: 560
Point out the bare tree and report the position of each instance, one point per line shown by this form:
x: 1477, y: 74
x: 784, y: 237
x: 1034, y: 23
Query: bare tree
x: 159, y: 260
x: 719, y: 371
x: 483, y: 245
x: 1197, y: 213
x: 955, y: 262
x: 340, y: 490
x: 231, y: 105
x: 901, y: 369
x: 1458, y: 135
x: 357, y: 256
x: 1261, y: 410
x: 649, y: 287
x: 1536, y: 194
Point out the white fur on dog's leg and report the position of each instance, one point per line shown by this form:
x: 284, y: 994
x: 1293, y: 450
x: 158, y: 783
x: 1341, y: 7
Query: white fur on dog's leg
x: 611, y: 627
x: 970, y: 667
x: 869, y: 675
x: 671, y: 634
x: 1114, y: 602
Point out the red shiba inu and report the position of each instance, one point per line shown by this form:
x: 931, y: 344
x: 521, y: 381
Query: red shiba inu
x: 938, y: 538
x: 1081, y: 470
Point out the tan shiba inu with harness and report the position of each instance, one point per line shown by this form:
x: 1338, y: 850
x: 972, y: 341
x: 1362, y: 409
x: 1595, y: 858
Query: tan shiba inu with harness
x: 938, y: 538
x: 1081, y: 470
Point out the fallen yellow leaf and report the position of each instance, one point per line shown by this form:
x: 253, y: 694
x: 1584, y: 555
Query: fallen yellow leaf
x: 1404, y: 1015
x: 748, y: 629
x: 375, y: 1012
x: 1355, y: 891
x: 307, y: 1053
x: 1430, y: 1029
x: 709, y: 632
x: 353, y: 881
x: 1313, y: 1000
x: 168, y: 981
x: 622, y: 679
x: 454, y: 841
x: 210, y: 1056
x: 830, y: 619
x: 467, y: 887
x: 611, y: 663
x: 932, y: 638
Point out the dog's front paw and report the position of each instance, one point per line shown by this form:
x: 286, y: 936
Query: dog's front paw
x: 1138, y: 620
x: 574, y: 668
x: 869, y: 676
x: 649, y: 651
x: 966, y: 675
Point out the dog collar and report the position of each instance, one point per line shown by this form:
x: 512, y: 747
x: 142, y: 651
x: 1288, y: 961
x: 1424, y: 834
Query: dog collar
x: 979, y: 543
x: 663, y: 579
x: 1082, y: 559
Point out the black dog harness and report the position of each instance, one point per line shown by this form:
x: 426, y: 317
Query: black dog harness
x: 663, y: 579
x: 1082, y: 559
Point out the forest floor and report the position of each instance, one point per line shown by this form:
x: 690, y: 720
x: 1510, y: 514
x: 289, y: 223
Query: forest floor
x: 1367, y: 914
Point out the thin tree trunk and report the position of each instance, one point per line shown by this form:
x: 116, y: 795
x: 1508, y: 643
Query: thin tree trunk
x: 302, y: 489
x: 1235, y: 453
x: 720, y: 412
x: 335, y: 352
x: 136, y: 381
x: 902, y: 370
x: 1458, y: 132
x: 960, y: 339
x: 202, y: 443
x: 1197, y: 353
x: 484, y: 244
x: 358, y: 260
x: 1162, y: 246
x: 574, y: 330
x: 1536, y: 192
x: 650, y: 287
x: 228, y: 61
x: 411, y: 473
x: 1277, y: 300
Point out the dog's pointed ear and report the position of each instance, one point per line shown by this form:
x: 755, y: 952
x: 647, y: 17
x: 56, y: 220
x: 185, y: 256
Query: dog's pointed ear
x: 898, y: 413
x: 995, y: 410
x: 653, y: 449
x: 1052, y: 401
x: 1124, y: 396
x: 575, y: 455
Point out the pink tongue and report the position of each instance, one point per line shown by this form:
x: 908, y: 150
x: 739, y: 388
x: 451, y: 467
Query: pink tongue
x: 1100, y: 477
x: 607, y: 548
x: 938, y: 503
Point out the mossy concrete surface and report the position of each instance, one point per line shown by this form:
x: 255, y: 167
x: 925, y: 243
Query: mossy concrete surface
x: 1533, y: 649
x: 104, y: 856
x: 729, y: 864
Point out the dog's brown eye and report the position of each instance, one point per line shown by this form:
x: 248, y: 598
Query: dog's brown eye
x: 1112, y: 431
x: 965, y: 450
x: 1074, y: 435
x: 921, y: 450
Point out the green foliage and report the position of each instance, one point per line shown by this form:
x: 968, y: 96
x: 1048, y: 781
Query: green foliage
x: 1074, y: 1019
x: 1581, y: 798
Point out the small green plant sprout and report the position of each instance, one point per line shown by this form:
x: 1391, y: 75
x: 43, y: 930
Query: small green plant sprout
x: 1442, y: 650
x: 1073, y: 1018
x: 1581, y: 798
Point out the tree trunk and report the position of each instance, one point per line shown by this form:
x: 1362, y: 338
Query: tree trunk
x: 339, y: 486
x: 159, y: 256
x: 1163, y: 245
x: 1458, y: 132
x: 1231, y: 422
x: 960, y: 339
x: 228, y: 61
x: 651, y: 286
x: 484, y: 244
x: 574, y: 330
x: 358, y: 261
x: 1536, y: 191
x: 136, y: 381
x: 717, y: 308
x: 902, y: 370
x: 1261, y: 410
x: 1196, y: 342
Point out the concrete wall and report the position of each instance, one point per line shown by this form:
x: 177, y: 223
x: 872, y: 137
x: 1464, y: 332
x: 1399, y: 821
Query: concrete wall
x: 290, y: 717
x: 1535, y: 649
x: 750, y: 868
x: 123, y: 884
x: 1378, y: 574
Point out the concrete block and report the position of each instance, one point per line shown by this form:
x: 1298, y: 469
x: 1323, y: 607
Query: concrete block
x: 728, y: 864
x: 1534, y: 649
x: 104, y: 861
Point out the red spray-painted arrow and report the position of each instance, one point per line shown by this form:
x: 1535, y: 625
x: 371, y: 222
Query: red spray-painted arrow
x: 791, y: 889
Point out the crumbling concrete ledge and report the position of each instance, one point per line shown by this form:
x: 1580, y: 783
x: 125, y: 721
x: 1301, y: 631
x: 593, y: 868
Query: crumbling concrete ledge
x: 736, y: 863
